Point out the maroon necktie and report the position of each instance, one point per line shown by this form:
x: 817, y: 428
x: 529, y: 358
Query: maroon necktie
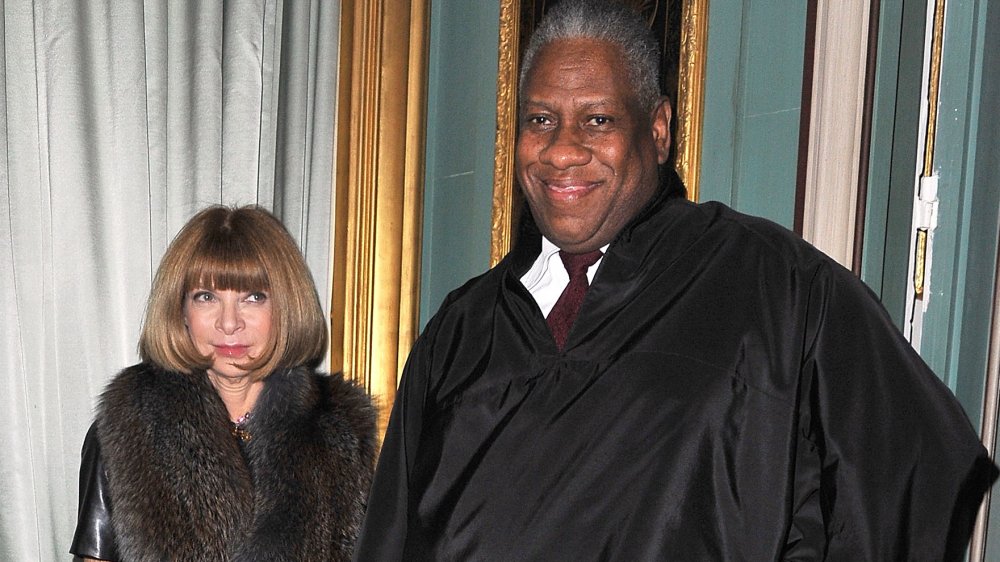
x: 563, y: 314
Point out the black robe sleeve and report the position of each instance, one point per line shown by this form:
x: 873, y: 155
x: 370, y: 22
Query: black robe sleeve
x: 94, y: 537
x: 889, y: 467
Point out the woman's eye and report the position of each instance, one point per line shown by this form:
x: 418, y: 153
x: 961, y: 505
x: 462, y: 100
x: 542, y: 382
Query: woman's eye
x: 201, y: 296
x: 258, y: 296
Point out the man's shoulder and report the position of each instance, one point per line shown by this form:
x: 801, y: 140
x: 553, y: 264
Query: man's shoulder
x: 467, y: 305
x: 763, y: 236
x: 762, y: 229
x: 762, y: 243
x: 476, y: 289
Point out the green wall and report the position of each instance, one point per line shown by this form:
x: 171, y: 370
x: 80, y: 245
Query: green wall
x: 461, y: 129
x: 956, y: 326
x: 893, y: 157
x: 957, y: 322
x: 753, y: 103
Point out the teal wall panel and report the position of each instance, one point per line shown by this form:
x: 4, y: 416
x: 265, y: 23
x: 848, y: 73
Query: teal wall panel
x: 461, y: 130
x: 768, y: 168
x: 956, y: 325
x: 722, y: 94
x: 893, y: 153
x: 753, y: 102
x: 957, y: 321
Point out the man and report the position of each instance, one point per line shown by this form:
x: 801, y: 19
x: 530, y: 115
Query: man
x: 726, y: 391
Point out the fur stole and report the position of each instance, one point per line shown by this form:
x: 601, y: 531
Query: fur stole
x: 181, y: 488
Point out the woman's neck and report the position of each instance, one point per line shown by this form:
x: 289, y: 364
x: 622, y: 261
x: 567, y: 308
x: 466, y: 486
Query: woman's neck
x: 239, y: 394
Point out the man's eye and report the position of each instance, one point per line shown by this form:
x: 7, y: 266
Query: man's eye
x: 538, y: 120
x: 600, y: 120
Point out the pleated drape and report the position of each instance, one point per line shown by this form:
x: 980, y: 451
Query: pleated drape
x: 120, y: 119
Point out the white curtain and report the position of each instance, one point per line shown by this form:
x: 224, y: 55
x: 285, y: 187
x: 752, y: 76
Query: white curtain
x: 120, y: 119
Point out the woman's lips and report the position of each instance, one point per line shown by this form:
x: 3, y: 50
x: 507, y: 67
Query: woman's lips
x: 232, y: 350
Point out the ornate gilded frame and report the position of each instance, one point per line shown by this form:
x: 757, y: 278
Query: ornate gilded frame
x: 690, y: 98
x: 378, y: 199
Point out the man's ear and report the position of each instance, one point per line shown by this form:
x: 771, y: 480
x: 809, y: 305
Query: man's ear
x: 660, y: 122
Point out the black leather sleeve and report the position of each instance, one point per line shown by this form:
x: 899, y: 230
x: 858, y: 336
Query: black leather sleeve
x: 94, y: 536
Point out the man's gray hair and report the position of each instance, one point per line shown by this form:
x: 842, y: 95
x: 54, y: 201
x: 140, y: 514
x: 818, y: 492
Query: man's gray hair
x: 604, y: 20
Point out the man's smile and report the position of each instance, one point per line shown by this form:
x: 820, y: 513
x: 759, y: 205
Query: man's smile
x: 568, y: 190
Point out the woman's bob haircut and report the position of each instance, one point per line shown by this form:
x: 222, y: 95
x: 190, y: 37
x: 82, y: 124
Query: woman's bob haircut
x: 238, y: 249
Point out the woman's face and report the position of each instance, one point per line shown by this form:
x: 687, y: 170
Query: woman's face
x: 232, y: 327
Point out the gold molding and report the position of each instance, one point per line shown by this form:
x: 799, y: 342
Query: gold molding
x: 933, y: 85
x: 690, y: 100
x: 416, y: 126
x: 691, y: 93
x: 378, y: 192
x: 503, y: 163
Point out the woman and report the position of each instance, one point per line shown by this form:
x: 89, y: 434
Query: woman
x: 224, y: 443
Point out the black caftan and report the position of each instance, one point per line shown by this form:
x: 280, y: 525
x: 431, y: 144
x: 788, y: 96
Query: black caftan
x: 727, y: 393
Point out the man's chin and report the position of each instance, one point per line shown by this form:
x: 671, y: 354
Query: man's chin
x: 576, y: 244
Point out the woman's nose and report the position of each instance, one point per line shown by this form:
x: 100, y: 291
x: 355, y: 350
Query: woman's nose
x: 230, y: 319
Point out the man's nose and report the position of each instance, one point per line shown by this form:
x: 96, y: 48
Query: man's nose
x: 565, y: 149
x: 230, y: 319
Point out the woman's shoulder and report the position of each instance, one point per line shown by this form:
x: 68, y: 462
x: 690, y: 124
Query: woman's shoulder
x: 143, y: 379
x: 346, y: 392
x: 352, y: 407
x: 348, y: 400
x: 143, y: 375
x: 145, y: 394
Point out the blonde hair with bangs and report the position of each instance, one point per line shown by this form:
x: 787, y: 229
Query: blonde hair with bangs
x: 241, y: 249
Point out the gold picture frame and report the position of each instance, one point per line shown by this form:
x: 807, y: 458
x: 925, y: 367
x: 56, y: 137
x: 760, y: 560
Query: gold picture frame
x: 692, y: 21
x: 378, y: 199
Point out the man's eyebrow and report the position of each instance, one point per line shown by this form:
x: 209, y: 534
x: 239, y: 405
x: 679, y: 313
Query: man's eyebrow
x: 600, y: 102
x: 537, y: 102
x: 603, y: 102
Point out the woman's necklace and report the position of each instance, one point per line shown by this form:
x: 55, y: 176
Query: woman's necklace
x: 238, y: 428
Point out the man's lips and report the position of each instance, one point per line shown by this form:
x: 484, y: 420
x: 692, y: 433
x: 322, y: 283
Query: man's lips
x: 232, y: 350
x: 568, y: 190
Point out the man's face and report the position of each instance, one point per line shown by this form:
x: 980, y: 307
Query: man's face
x: 587, y: 155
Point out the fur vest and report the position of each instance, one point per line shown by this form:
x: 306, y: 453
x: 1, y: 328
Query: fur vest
x: 182, y: 489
